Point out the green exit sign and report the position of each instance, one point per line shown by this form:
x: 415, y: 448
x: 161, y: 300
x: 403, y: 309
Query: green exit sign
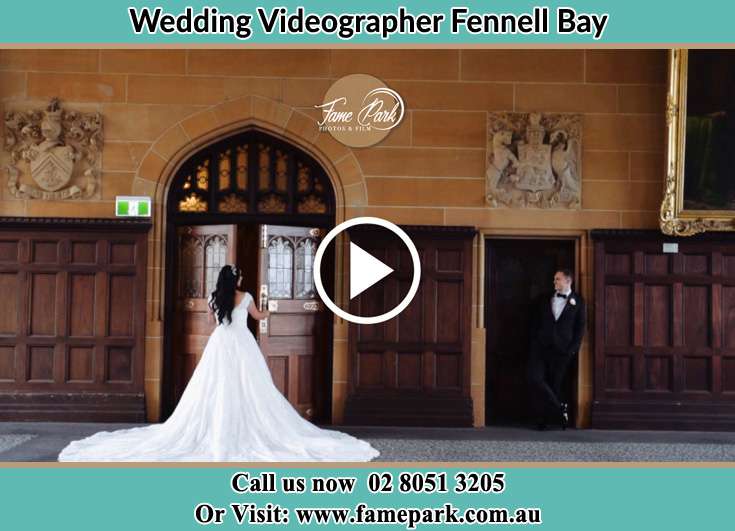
x: 129, y: 206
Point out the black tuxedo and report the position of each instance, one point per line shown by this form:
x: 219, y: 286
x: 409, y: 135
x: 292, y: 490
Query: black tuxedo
x: 560, y: 337
x: 554, y: 344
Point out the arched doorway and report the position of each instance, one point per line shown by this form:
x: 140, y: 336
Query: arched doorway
x: 263, y: 203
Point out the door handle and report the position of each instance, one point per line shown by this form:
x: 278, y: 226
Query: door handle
x: 263, y: 304
x: 263, y: 301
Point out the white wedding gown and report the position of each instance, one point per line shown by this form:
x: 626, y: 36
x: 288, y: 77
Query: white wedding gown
x: 229, y: 411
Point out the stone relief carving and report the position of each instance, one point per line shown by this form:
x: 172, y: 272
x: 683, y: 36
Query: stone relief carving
x: 60, y: 147
x: 534, y: 160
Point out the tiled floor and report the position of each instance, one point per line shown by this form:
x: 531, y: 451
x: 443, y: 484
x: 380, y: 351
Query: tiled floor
x: 22, y: 441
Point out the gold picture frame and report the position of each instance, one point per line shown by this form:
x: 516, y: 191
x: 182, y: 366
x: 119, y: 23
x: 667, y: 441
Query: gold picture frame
x: 675, y: 219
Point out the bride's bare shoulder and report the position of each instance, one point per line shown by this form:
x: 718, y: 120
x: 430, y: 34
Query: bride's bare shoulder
x: 240, y: 295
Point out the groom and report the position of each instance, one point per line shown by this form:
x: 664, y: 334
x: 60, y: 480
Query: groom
x: 556, y: 334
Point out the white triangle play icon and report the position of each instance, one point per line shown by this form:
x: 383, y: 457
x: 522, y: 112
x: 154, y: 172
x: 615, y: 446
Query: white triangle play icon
x: 365, y: 270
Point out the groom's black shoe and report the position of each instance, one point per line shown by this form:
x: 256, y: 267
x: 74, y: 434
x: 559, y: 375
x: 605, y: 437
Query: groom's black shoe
x: 564, y: 415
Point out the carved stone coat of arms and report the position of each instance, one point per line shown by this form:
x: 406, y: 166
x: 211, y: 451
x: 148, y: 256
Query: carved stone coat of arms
x: 59, y: 148
x: 534, y: 160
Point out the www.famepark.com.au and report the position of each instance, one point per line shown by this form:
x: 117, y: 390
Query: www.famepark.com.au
x: 410, y: 517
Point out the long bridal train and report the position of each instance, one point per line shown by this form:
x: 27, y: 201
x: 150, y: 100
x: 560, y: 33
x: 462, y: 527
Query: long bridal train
x: 230, y: 411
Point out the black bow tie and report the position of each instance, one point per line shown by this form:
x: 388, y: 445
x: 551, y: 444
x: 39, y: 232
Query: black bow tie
x: 561, y: 295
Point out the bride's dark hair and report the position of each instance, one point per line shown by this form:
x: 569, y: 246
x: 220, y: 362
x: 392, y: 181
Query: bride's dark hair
x: 222, y: 300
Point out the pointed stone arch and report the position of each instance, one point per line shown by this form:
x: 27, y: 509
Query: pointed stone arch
x: 184, y: 138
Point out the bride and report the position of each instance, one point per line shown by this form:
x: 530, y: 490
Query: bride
x: 230, y: 410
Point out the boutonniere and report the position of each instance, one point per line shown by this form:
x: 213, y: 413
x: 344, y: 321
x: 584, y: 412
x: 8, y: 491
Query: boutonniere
x: 572, y: 302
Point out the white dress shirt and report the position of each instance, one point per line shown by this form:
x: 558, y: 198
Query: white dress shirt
x: 558, y: 303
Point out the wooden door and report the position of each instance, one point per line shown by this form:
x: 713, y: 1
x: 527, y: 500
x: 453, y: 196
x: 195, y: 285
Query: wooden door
x: 664, y: 331
x: 72, y: 320
x: 291, y: 338
x: 415, y: 368
x: 518, y: 272
x: 202, y: 251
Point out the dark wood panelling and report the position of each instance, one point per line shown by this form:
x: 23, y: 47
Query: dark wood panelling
x: 119, y: 364
x: 411, y: 320
x: 658, y: 316
x: 40, y: 364
x: 657, y: 264
x: 449, y: 260
x: 8, y: 251
x: 43, y: 304
x: 291, y: 325
x: 122, y: 253
x: 448, y: 319
x: 697, y: 374
x: 45, y: 252
x: 306, y: 379
x: 7, y: 364
x: 415, y: 368
x: 696, y: 263
x: 120, y: 305
x: 11, y: 293
x: 696, y: 313
x: 664, y: 341
x: 72, y: 323
x: 83, y: 252
x: 617, y: 322
x: 659, y: 373
x: 279, y: 370
x: 370, y: 370
x: 728, y: 375
x: 618, y: 373
x: 617, y: 264
x: 81, y: 302
x: 448, y: 370
x: 80, y: 365
x: 409, y: 370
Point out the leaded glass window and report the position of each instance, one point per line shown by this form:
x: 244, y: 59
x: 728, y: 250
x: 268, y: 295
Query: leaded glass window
x: 215, y: 256
x: 280, y: 268
x: 305, y: 251
x: 247, y: 174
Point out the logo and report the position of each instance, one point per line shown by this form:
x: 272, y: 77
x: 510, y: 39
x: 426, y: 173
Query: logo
x: 359, y: 110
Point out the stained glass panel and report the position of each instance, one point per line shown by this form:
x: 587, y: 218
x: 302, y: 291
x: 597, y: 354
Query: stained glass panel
x: 216, y: 255
x: 231, y: 203
x: 242, y: 167
x: 224, y: 170
x: 280, y: 268
x: 203, y: 175
x: 281, y: 171
x: 303, y: 179
x: 305, y: 251
x: 192, y: 203
x: 251, y: 173
x: 311, y: 204
x: 264, y: 167
x: 272, y: 204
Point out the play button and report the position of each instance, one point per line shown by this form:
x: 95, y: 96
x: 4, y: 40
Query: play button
x: 366, y: 270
